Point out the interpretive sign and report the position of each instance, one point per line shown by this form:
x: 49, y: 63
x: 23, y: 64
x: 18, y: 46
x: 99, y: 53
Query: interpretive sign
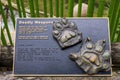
x: 62, y: 47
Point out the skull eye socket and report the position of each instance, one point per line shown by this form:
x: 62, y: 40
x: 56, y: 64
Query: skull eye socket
x: 99, y: 48
x: 89, y: 45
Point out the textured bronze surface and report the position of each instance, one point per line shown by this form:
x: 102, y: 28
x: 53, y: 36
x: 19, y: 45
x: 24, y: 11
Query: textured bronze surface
x: 92, y: 58
x: 66, y: 33
x: 115, y: 74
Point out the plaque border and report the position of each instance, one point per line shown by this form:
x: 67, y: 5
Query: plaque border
x: 64, y: 75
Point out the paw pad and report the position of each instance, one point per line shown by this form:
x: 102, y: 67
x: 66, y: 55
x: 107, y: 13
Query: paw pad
x: 66, y: 33
x: 92, y: 57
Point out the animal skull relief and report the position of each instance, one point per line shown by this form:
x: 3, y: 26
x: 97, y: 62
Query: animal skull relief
x: 66, y: 33
x: 92, y: 58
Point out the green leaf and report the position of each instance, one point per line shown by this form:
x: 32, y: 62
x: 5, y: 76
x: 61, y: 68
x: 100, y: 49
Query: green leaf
x: 112, y: 4
x: 57, y: 8
x: 90, y: 9
x: 101, y: 8
x: 45, y: 8
x: 51, y: 8
x: 19, y: 9
x: 3, y: 38
x: 37, y: 8
x: 79, y: 8
x: 113, y: 19
x: 31, y: 6
x: 5, y: 23
x: 70, y: 8
x: 12, y: 13
x: 23, y: 8
x: 61, y: 8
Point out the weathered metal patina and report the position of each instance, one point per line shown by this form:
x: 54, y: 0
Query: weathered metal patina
x: 92, y: 58
x: 66, y: 33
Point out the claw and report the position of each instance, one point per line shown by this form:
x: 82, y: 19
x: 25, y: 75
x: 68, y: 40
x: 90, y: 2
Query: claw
x: 73, y: 56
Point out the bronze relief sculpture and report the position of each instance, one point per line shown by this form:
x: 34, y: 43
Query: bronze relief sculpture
x: 66, y: 33
x: 92, y: 58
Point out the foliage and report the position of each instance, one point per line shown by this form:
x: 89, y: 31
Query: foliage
x: 64, y: 8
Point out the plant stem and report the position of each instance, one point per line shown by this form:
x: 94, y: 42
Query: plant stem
x: 51, y: 8
x: 31, y: 6
x: 19, y: 9
x: 37, y: 8
x: 3, y: 38
x: 113, y: 19
x: 117, y: 26
x: 5, y: 23
x: 70, y: 8
x: 12, y: 13
x: 90, y: 9
x: 61, y: 8
x: 79, y: 8
x: 112, y: 3
x: 23, y: 8
x: 101, y: 8
x: 45, y: 8
x: 118, y: 38
x: 57, y: 8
